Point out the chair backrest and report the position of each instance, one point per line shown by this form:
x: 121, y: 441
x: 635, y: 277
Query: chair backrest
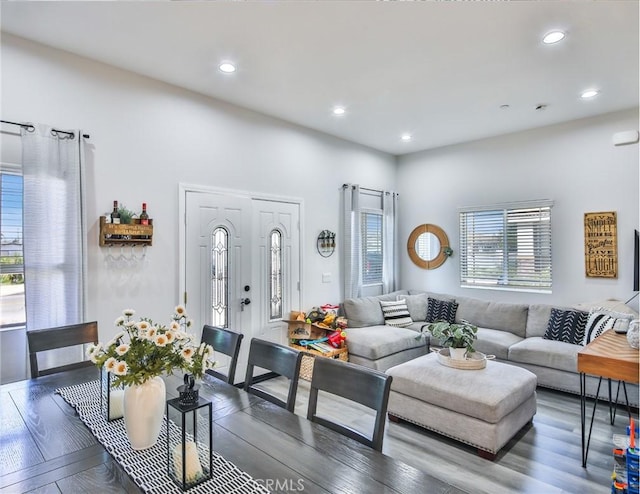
x: 282, y: 360
x: 360, y: 384
x: 226, y: 342
x: 40, y: 340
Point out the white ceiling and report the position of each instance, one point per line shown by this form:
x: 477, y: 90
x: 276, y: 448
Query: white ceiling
x: 438, y: 70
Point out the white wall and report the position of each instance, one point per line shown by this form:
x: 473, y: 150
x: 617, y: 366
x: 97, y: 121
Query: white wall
x: 574, y: 164
x: 147, y: 137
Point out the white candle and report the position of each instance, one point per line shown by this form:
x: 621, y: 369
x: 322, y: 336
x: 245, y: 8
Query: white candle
x: 194, y: 470
x: 116, y: 404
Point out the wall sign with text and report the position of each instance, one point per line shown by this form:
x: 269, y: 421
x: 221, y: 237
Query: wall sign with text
x: 601, y: 245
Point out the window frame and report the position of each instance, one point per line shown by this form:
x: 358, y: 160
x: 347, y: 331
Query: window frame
x: 522, y: 253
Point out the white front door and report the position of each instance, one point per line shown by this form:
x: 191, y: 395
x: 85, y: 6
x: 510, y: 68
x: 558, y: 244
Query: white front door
x: 241, y: 265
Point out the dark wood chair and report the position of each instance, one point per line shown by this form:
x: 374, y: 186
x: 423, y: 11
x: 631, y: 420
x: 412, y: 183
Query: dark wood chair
x: 40, y: 340
x: 360, y: 384
x: 282, y: 360
x: 226, y: 342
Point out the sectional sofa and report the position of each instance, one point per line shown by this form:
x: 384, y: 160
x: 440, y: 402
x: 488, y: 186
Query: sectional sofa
x: 512, y: 332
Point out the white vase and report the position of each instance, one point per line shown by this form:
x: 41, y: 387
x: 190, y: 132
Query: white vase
x: 457, y: 353
x: 144, y: 407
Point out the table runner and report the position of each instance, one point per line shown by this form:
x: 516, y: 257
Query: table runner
x: 148, y: 468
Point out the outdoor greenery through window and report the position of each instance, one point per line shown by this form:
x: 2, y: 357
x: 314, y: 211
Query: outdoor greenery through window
x: 12, y: 302
x: 371, y: 248
x: 506, y: 246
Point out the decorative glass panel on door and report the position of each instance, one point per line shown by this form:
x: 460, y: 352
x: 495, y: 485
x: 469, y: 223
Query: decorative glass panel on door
x: 220, y: 277
x: 275, y: 275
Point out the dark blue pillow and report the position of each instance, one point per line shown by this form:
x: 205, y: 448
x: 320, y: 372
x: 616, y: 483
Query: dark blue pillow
x: 566, y: 325
x: 441, y: 310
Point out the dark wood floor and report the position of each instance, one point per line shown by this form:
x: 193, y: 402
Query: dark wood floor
x: 544, y: 458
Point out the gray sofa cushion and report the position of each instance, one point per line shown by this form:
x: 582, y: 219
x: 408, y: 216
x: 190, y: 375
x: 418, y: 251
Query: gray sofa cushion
x: 546, y: 353
x: 375, y: 342
x: 538, y: 318
x: 384, y: 363
x: 494, y: 342
x: 496, y: 315
x: 417, y: 305
x: 366, y: 311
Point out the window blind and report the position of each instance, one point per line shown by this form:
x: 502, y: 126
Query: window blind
x: 506, y: 246
x: 371, y: 248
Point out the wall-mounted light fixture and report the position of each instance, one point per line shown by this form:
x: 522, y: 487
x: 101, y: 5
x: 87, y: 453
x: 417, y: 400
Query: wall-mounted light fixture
x: 326, y: 243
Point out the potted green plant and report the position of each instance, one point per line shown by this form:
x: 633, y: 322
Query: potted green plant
x: 458, y: 337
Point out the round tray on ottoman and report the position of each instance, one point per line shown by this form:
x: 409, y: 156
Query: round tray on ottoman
x: 473, y: 360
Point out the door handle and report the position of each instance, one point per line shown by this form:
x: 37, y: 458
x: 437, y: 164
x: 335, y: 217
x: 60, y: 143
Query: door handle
x: 243, y: 302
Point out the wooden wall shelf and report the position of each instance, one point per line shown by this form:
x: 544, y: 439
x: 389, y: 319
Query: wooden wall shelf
x: 130, y: 234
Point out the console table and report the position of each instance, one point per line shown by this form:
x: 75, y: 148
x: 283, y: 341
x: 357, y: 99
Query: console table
x: 608, y: 356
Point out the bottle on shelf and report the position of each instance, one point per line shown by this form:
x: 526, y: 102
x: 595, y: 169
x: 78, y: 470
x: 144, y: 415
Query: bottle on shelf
x: 115, y: 215
x: 115, y: 218
x: 144, y: 217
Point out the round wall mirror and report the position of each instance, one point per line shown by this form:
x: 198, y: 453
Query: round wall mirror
x: 428, y: 246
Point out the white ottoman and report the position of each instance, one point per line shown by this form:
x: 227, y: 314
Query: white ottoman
x: 484, y: 408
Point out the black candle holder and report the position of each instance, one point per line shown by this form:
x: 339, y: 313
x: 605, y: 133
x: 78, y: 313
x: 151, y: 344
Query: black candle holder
x: 189, y: 392
x: 111, y: 398
x: 189, y: 442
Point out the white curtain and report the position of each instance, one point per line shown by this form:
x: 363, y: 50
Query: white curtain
x: 390, y: 263
x: 352, y: 241
x: 54, y: 227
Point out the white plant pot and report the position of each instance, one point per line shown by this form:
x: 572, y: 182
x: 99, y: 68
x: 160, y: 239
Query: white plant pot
x: 144, y: 407
x: 457, y: 353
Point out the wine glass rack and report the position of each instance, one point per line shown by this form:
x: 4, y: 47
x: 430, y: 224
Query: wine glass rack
x: 125, y: 234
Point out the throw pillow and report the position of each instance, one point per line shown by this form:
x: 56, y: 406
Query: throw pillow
x: 441, y: 310
x: 601, y: 320
x: 566, y: 325
x: 396, y: 313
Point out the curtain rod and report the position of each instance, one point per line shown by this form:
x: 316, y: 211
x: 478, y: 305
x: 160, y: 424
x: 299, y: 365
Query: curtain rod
x: 31, y: 128
x: 344, y: 186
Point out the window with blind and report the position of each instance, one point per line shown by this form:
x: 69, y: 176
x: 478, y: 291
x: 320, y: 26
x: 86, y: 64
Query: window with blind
x: 371, y: 226
x: 506, y: 246
x: 12, y: 302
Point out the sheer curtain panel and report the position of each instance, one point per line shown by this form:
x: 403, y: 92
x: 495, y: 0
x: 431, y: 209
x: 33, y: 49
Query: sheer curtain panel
x: 54, y: 227
x: 390, y: 264
x: 352, y: 241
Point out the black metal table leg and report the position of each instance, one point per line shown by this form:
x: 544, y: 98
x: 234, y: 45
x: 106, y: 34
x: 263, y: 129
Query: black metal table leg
x: 586, y: 438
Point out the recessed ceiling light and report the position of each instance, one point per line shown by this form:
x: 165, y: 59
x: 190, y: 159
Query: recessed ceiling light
x: 589, y: 93
x: 553, y: 37
x: 339, y: 110
x: 406, y: 137
x: 227, y: 67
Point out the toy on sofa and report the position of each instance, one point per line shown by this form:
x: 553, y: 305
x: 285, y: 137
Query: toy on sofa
x: 336, y: 338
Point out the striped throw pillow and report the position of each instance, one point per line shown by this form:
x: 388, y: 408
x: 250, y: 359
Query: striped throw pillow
x: 396, y: 313
x: 601, y: 320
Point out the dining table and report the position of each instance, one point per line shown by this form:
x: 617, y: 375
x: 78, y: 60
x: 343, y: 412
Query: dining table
x: 45, y: 446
